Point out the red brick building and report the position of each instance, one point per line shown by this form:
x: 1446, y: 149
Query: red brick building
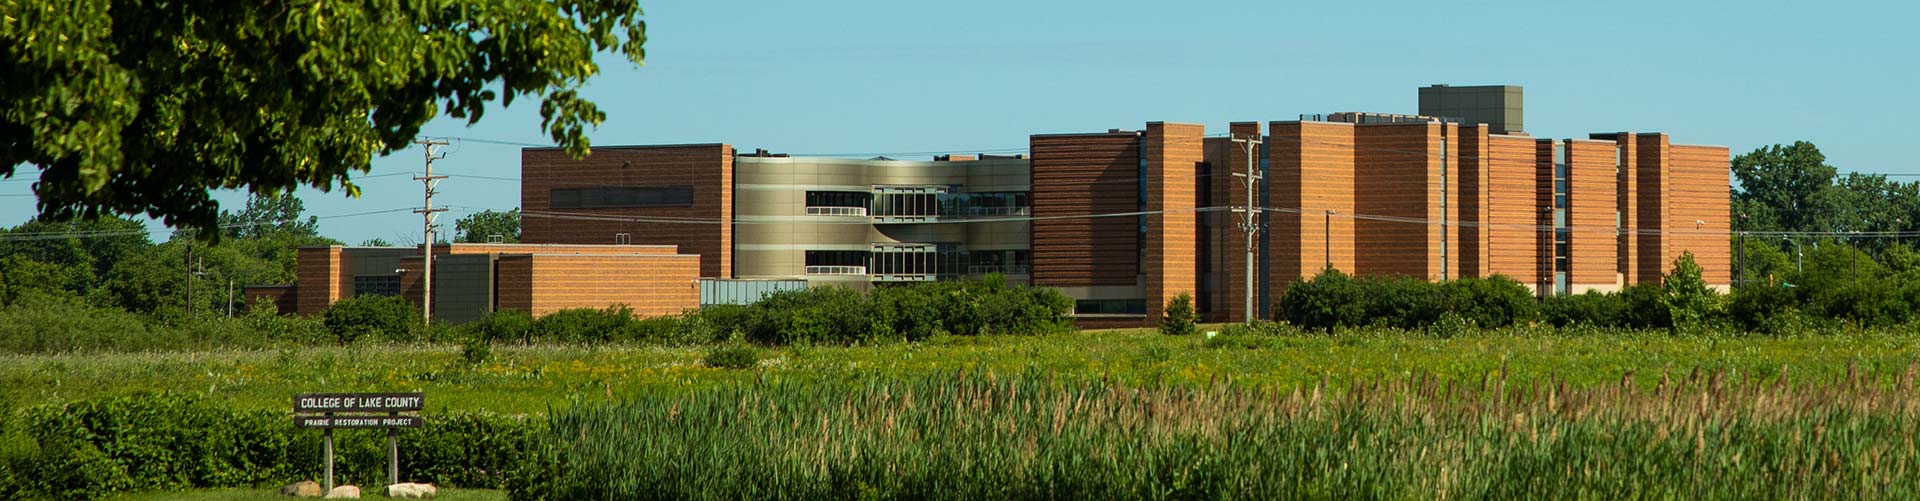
x: 1122, y: 221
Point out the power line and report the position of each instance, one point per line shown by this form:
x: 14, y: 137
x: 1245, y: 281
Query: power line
x: 61, y: 235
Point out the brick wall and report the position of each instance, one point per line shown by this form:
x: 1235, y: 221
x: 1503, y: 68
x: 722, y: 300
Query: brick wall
x: 1470, y: 171
x: 703, y: 228
x: 651, y: 285
x: 1594, y: 198
x: 1699, y: 193
x: 284, y: 298
x: 1397, y: 177
x: 318, y: 277
x: 1310, y: 171
x: 1174, y: 152
x: 1080, y: 175
x: 1512, y: 209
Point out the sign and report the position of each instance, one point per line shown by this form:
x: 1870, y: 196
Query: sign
x: 356, y: 422
x: 328, y: 411
x: 358, y: 402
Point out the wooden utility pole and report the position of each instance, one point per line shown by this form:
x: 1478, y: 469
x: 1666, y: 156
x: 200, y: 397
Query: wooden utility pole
x: 428, y: 214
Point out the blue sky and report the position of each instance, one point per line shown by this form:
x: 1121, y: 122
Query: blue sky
x: 897, y: 76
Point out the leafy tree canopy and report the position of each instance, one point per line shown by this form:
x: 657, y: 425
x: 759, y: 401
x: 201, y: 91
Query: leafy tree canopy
x: 267, y: 215
x: 142, y: 107
x: 479, y: 226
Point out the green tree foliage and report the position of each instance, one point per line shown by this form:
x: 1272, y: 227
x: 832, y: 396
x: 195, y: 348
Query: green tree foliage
x: 388, y: 318
x: 480, y: 226
x: 1688, y: 300
x: 1179, y: 318
x: 1333, y: 299
x: 143, y: 107
x: 1778, y: 185
x: 272, y: 215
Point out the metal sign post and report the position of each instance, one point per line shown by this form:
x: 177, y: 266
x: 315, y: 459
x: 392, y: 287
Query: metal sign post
x: 359, y: 411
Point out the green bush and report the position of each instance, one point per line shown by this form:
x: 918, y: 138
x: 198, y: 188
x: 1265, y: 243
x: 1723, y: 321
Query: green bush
x: 504, y: 325
x: 1753, y: 306
x: 732, y: 356
x: 1334, y: 299
x: 583, y: 325
x: 381, y: 318
x: 1178, y: 319
x: 1491, y: 302
x: 1591, y: 308
x: 1869, y: 304
x: 1329, y: 299
x: 96, y: 448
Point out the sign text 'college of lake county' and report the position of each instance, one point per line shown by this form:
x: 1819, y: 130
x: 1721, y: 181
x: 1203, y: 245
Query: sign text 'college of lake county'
x: 358, y: 402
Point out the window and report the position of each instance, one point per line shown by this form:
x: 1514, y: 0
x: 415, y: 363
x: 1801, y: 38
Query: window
x: 622, y: 239
x: 836, y: 258
x: 838, y: 199
x: 624, y: 197
x: 1110, y: 307
x: 376, y: 285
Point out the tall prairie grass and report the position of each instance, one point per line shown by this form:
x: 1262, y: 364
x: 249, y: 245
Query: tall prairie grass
x: 977, y: 435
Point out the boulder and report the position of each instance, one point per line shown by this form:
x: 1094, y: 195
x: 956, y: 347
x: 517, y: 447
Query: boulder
x: 345, y: 492
x: 302, y: 489
x: 411, y: 490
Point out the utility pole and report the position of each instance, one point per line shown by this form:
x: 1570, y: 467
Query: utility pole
x: 189, y: 266
x: 1742, y: 279
x: 428, y: 214
x: 1250, y: 213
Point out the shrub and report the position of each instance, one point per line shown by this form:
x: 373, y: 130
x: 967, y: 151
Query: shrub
x: 95, y: 448
x: 1591, y: 308
x: 1491, y: 302
x: 1179, y: 318
x: 1868, y: 304
x: 476, y: 350
x: 388, y: 318
x: 732, y: 356
x: 582, y: 325
x: 1648, y: 306
x: 1329, y: 299
x: 1753, y: 306
x: 504, y: 325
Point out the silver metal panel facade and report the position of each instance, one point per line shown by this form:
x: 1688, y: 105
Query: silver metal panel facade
x: 741, y: 292
x: 902, y: 202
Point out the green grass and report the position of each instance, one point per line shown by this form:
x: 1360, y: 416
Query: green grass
x: 448, y: 494
x: 523, y: 379
x: 1709, y: 435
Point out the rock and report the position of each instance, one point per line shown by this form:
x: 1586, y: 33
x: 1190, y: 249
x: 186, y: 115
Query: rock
x: 411, y: 490
x: 345, y: 492
x: 301, y: 489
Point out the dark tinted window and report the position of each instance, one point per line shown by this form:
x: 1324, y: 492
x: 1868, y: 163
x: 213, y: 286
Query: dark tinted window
x: 836, y: 258
x: 622, y: 197
x: 376, y: 285
x: 838, y: 199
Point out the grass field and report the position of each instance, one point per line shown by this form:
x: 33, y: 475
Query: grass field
x: 531, y: 379
x: 273, y: 494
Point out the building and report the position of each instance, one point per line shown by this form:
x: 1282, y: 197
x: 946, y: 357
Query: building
x: 1123, y: 220
x: 470, y: 280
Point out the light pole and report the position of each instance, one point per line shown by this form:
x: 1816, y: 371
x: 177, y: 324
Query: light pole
x: 1798, y: 256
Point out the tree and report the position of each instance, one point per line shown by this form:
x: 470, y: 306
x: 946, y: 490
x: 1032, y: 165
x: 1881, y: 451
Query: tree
x: 375, y: 242
x: 1178, y: 319
x: 1688, y: 299
x: 478, y: 227
x: 1779, y: 183
x: 270, y: 215
x: 143, y: 107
